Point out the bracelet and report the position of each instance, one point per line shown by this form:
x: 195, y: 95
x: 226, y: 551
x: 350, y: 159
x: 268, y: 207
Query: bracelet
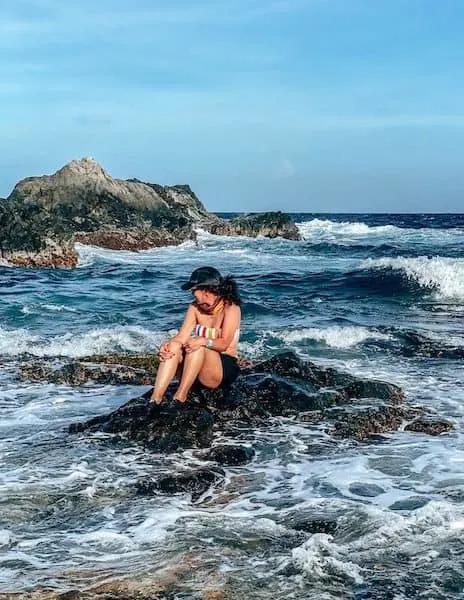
x: 209, y: 344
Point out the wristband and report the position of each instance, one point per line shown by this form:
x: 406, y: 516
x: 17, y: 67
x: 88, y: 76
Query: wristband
x: 209, y: 344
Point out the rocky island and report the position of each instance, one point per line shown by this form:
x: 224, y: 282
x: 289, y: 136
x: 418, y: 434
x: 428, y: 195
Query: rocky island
x: 44, y: 217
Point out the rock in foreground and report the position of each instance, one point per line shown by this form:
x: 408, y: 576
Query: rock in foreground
x: 282, y: 386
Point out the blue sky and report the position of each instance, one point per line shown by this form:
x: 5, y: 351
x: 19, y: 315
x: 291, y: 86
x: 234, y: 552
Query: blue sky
x: 297, y: 105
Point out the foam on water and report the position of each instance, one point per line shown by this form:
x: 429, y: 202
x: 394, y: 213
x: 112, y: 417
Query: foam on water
x: 349, y: 232
x: 229, y: 254
x: 97, y: 341
x: 89, y: 255
x: 319, y: 230
x: 335, y: 337
x: 36, y: 308
x: 320, y: 558
x: 444, y: 276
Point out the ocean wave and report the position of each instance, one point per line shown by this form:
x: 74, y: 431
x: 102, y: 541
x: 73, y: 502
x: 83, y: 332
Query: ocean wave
x: 97, y: 341
x: 430, y: 344
x: 89, y: 255
x: 334, y: 337
x: 337, y: 337
x: 348, y: 233
x: 318, y: 229
x: 443, y: 276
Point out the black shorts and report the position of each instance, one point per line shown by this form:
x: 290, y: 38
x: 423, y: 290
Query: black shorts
x: 230, y: 370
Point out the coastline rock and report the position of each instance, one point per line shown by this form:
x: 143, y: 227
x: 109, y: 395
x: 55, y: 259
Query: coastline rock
x: 282, y: 386
x: 167, y: 428
x: 133, y: 369
x: 45, y: 216
x: 195, y: 482
x: 269, y: 224
x: 229, y: 455
x: 133, y: 239
x: 429, y: 424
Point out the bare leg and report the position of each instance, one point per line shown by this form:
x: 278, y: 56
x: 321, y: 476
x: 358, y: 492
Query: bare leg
x: 204, y: 364
x: 166, y: 373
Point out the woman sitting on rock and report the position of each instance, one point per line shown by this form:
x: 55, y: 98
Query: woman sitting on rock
x: 205, y: 349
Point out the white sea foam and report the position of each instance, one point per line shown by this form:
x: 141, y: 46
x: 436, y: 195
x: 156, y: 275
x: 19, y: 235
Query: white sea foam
x: 324, y: 230
x: 420, y: 530
x: 445, y: 276
x: 346, y: 233
x: 335, y: 337
x: 5, y: 537
x: 105, y: 540
x: 88, y: 255
x: 319, y: 557
x: 29, y: 309
x: 96, y: 341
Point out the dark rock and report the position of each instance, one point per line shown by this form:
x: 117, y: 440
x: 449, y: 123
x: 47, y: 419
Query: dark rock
x: 365, y: 388
x: 166, y: 428
x: 195, y: 482
x: 289, y: 365
x: 315, y: 526
x: 284, y: 385
x: 134, y: 239
x: 269, y: 224
x: 366, y: 490
x: 430, y: 425
x: 137, y: 369
x: 407, y: 504
x: 230, y: 455
x: 311, y: 520
x: 361, y: 421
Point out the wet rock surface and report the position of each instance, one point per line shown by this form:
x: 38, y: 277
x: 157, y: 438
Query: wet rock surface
x: 135, y: 369
x: 196, y: 482
x: 281, y: 386
x: 230, y: 455
x: 270, y: 224
x: 429, y: 424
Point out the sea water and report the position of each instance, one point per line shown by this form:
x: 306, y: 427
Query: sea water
x: 378, y: 296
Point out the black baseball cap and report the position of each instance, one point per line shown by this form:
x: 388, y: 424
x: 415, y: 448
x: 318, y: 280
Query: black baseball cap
x: 203, y: 276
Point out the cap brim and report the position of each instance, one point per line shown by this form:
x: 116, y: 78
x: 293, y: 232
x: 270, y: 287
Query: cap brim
x: 186, y: 286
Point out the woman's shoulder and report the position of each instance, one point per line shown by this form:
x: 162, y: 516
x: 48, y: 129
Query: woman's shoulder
x: 232, y: 309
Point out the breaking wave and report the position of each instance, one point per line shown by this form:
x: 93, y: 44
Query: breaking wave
x: 97, y: 341
x: 441, y: 275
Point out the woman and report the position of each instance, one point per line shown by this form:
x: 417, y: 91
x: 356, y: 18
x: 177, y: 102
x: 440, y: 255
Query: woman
x: 205, y: 349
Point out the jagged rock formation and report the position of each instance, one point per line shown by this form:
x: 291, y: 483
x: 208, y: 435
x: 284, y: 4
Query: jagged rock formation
x: 269, y: 224
x: 284, y: 385
x: 43, y: 216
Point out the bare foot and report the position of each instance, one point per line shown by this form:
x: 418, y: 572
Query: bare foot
x: 155, y: 400
x: 177, y: 399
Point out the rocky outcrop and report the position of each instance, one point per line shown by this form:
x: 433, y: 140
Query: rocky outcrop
x: 133, y: 370
x: 108, y: 369
x: 281, y: 386
x: 268, y: 224
x: 44, y: 216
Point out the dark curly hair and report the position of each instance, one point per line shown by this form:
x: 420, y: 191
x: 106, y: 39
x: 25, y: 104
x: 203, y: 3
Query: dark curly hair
x: 227, y: 289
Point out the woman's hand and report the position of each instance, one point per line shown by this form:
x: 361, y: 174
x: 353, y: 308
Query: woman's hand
x: 194, y: 343
x: 167, y: 350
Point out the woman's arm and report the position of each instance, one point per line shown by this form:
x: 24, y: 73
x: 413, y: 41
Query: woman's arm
x: 190, y: 320
x: 229, y: 328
